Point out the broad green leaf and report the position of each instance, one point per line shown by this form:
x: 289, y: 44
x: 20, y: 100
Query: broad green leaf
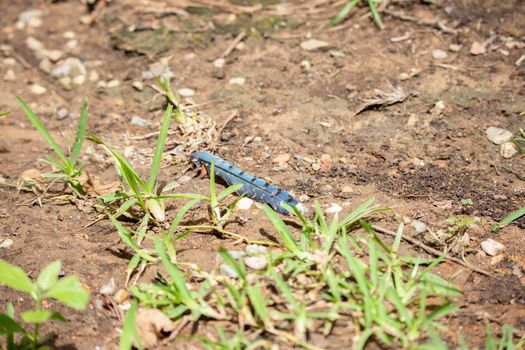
x: 14, y: 277
x: 9, y: 325
x: 130, y: 337
x: 81, y: 132
x: 159, y: 149
x: 36, y: 316
x: 49, y: 275
x: 39, y: 126
x: 69, y: 292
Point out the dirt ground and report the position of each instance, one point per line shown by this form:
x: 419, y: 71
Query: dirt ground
x: 426, y: 156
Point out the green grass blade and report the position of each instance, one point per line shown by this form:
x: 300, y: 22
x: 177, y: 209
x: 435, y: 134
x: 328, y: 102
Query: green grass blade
x: 375, y: 13
x: 509, y: 218
x: 228, y: 191
x: 237, y: 267
x: 180, y: 215
x: 176, y: 276
x: 130, y: 337
x: 39, y: 126
x: 343, y: 12
x: 159, y: 149
x: 81, y: 132
x: 286, y: 236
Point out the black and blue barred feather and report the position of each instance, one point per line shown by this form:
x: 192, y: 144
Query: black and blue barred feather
x: 253, y: 187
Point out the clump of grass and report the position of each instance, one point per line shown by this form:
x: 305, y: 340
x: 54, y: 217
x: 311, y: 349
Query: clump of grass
x: 69, y: 166
x: 322, y: 280
x: 347, y: 8
x: 137, y: 191
x: 47, y: 286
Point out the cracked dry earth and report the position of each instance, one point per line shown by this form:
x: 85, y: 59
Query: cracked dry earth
x: 459, y: 65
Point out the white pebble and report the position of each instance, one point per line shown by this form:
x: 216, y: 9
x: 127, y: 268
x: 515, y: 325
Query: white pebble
x: 237, y: 81
x: 254, y: 249
x: 333, y: 209
x: 34, y: 44
x: 439, y: 54
x: 9, y: 75
x: 70, y: 67
x: 113, y: 83
x: 37, y: 89
x: 219, y: 63
x: 508, y: 149
x: 6, y: 243
x: 245, y: 203
x: 419, y: 226
x: 228, y: 271
x: 69, y: 35
x: 9, y: 61
x: 139, y: 121
x: 236, y: 254
x: 256, y: 262
x: 492, y: 247
x: 314, y: 44
x: 137, y: 85
x: 79, y: 79
x: 108, y: 288
x: 498, y: 135
x: 186, y: 92
x: 72, y: 44
x: 53, y: 55
x: 45, y: 65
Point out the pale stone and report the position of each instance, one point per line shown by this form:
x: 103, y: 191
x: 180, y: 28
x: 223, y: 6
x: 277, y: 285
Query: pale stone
x: 477, y: 49
x: 498, y: 135
x: 508, y: 149
x: 281, y: 158
x: 492, y: 247
x: 314, y: 44
x: 186, y: 92
x: 245, y: 203
x: 37, y: 89
x: 439, y: 54
x: 237, y: 81
x: 334, y: 209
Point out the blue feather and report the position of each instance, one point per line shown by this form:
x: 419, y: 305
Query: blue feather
x: 253, y: 187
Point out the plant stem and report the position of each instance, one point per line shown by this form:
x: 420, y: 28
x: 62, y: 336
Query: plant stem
x: 229, y: 233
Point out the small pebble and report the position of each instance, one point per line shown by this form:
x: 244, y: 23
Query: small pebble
x: 45, y: 65
x: 256, y: 262
x: 498, y: 135
x: 439, y: 54
x: 316, y: 166
x: 72, y: 44
x: 30, y: 174
x: 6, y: 243
x: 121, y: 296
x: 314, y: 44
x: 305, y: 65
x: 228, y: 271
x: 70, y: 67
x: 79, y: 79
x: 186, y: 92
x: 29, y: 18
x: 10, y: 75
x: 9, y: 61
x: 53, y: 55
x: 245, y: 203
x: 37, y: 89
x: 34, y: 44
x: 281, y: 158
x: 236, y: 254
x: 492, y: 247
x: 255, y: 249
x: 139, y: 121
x: 334, y: 209
x: 237, y: 81
x: 219, y: 63
x: 336, y: 54
x: 477, y: 49
x: 113, y: 83
x: 137, y: 85
x: 419, y: 226
x: 62, y: 113
x: 455, y: 47
x: 508, y: 149
x: 68, y: 35
x: 347, y: 189
x: 108, y: 288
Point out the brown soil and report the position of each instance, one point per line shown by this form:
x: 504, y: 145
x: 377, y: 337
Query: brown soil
x: 420, y: 162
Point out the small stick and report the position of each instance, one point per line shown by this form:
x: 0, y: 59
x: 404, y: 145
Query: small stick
x: 431, y: 250
x: 234, y: 43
